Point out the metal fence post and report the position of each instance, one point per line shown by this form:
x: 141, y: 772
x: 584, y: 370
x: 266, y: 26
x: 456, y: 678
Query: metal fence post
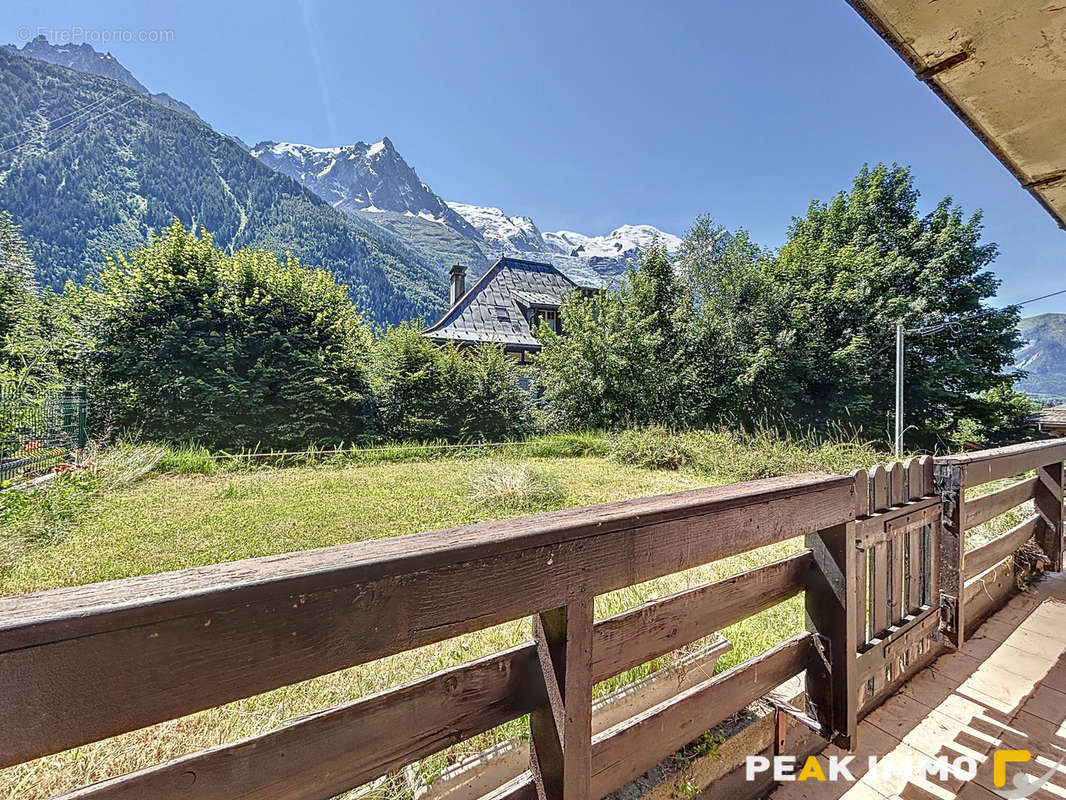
x: 950, y: 482
x: 83, y: 415
x: 1048, y: 503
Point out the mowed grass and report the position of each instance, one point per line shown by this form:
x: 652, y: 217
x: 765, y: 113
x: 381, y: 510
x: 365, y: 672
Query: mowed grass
x: 178, y: 521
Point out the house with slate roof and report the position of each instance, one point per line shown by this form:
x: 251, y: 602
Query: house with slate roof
x: 505, y: 305
x: 1050, y: 420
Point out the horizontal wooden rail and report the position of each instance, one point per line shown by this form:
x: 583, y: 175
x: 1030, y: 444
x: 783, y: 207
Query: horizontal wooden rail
x: 331, y: 751
x: 629, y: 749
x: 981, y: 509
x: 1005, y: 462
x: 82, y: 664
x: 987, y: 555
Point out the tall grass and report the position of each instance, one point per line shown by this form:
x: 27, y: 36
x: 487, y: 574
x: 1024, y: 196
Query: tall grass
x: 516, y: 488
x: 43, y: 515
x: 729, y: 456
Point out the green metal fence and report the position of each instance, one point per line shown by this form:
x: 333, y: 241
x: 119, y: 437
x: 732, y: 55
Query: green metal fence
x: 38, y: 432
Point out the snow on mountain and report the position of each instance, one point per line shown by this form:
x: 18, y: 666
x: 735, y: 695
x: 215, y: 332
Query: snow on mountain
x: 622, y: 242
x: 362, y: 177
x: 521, y: 234
x: 503, y: 232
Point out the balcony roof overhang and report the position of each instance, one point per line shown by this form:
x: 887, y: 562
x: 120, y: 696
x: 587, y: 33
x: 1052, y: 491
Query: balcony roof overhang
x: 1001, y: 67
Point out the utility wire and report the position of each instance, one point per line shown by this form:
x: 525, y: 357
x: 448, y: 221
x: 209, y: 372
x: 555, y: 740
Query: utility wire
x: 931, y: 329
x: 81, y: 110
x: 70, y: 133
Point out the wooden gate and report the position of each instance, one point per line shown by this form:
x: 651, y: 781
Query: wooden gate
x: 897, y: 536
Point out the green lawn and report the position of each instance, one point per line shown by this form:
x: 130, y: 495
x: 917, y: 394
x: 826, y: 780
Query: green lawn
x: 176, y: 521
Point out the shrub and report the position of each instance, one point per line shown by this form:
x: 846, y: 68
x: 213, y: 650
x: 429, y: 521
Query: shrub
x: 189, y: 344
x: 652, y: 448
x: 428, y: 392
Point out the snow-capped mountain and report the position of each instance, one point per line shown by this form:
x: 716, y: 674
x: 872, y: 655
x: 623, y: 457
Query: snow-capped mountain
x: 502, y: 232
x: 363, y: 177
x: 373, y: 181
x: 85, y: 58
x: 521, y: 234
x: 620, y: 243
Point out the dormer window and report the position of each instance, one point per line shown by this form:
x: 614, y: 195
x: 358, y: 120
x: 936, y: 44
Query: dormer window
x: 549, y: 316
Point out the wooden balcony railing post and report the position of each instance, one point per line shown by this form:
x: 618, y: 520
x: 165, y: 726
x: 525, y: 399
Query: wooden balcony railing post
x: 832, y: 609
x: 561, y: 730
x: 950, y: 482
x: 1048, y: 501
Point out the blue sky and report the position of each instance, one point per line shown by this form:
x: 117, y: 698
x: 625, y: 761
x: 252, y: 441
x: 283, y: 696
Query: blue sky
x: 582, y: 115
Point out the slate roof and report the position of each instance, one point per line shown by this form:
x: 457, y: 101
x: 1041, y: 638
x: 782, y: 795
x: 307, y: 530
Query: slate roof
x: 1055, y: 416
x: 498, y: 306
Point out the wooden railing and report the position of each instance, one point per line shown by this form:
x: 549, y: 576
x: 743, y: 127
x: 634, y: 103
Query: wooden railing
x: 81, y: 664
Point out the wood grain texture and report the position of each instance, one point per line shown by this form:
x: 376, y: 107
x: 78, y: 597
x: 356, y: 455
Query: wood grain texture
x: 916, y: 568
x: 927, y: 466
x: 831, y: 603
x: 879, y: 574
x: 561, y: 727
x: 329, y: 752
x: 987, y: 555
x: 140, y: 667
x: 649, y: 630
x: 862, y: 492
x: 951, y: 557
x: 981, y: 509
x: 880, y: 491
x: 630, y: 748
x: 896, y: 494
x: 1048, y: 501
x: 1005, y: 462
x: 915, y: 486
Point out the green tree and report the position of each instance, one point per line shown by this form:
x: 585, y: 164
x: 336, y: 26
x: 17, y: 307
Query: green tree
x: 615, y: 364
x: 427, y: 391
x: 851, y: 269
x: 233, y: 351
x: 31, y: 322
x: 734, y: 345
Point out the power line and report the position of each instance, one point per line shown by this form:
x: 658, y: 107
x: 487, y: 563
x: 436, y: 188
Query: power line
x: 82, y: 110
x: 70, y: 133
x: 931, y: 329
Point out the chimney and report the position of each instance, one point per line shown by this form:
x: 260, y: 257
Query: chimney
x: 458, y: 276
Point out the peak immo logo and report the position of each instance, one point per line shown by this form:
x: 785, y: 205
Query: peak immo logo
x: 1025, y: 785
x: 843, y: 768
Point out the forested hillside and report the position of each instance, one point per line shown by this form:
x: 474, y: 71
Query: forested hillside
x: 1043, y: 356
x: 89, y: 166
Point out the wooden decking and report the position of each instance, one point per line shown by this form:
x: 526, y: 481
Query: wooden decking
x: 1006, y: 689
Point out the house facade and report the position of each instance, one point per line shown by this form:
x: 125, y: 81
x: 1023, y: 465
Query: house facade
x: 505, y: 305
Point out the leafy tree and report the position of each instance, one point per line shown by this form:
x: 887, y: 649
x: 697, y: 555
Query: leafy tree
x: 615, y: 364
x: 232, y: 351
x: 427, y: 391
x: 852, y: 268
x: 734, y: 348
x: 30, y: 321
